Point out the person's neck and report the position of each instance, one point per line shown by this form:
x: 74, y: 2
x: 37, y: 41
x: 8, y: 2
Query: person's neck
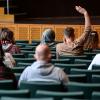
x: 68, y: 41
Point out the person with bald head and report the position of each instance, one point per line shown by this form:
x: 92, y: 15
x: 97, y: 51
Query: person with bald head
x: 41, y: 69
x: 42, y: 53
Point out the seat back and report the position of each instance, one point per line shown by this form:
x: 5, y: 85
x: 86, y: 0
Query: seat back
x: 87, y: 88
x: 78, y: 78
x: 59, y: 95
x: 68, y: 67
x: 62, y: 61
x: 6, y: 84
x: 82, y: 61
x: 94, y: 67
x: 25, y: 60
x: 21, y: 64
x: 72, y: 57
x: 22, y: 41
x: 88, y: 73
x: 73, y: 99
x: 90, y: 54
x: 17, y: 69
x: 95, y: 79
x: 19, y: 55
x: 40, y: 85
x: 12, y: 98
x: 95, y: 96
x: 15, y: 93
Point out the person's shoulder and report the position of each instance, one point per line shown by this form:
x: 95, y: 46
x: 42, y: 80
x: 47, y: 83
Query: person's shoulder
x: 97, y: 55
x: 59, y: 44
x: 28, y: 68
x: 58, y: 68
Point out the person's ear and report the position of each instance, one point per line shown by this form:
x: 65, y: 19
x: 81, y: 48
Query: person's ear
x: 34, y: 56
x: 64, y: 40
x: 49, y: 56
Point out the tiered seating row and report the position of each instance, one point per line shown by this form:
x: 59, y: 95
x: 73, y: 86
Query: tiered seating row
x: 82, y: 85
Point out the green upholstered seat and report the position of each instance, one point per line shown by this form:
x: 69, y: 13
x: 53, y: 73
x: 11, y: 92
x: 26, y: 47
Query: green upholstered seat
x: 59, y: 95
x: 40, y: 85
x: 87, y: 88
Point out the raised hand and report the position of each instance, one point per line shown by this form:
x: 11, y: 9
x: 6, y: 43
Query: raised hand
x: 80, y: 9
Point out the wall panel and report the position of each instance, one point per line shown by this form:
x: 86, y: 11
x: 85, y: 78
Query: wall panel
x: 14, y: 28
x: 35, y: 32
x: 23, y: 32
x: 59, y: 32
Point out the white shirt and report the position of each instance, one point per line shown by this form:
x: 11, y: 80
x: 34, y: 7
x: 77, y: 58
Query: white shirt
x: 96, y: 60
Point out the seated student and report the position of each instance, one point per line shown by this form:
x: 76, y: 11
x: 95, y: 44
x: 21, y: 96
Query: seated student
x: 92, y: 41
x: 48, y: 37
x: 8, y: 42
x: 71, y: 46
x: 96, y: 61
x: 42, y: 70
x: 5, y: 72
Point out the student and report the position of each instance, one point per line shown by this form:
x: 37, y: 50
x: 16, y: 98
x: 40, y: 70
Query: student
x: 71, y: 46
x: 42, y: 70
x: 95, y: 61
x: 48, y: 37
x: 8, y: 42
x: 5, y: 72
x: 92, y: 41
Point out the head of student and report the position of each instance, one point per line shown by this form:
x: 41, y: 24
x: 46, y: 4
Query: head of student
x: 42, y: 53
x: 92, y: 41
x: 48, y: 36
x: 7, y: 36
x: 69, y: 34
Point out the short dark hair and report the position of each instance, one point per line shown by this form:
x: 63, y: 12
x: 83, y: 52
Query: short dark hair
x: 69, y: 32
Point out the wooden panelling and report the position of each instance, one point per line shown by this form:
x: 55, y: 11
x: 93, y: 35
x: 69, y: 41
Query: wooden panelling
x: 59, y: 32
x: 97, y: 28
x: 47, y: 26
x: 1, y: 10
x: 35, y: 32
x: 23, y: 32
x: 1, y: 25
x: 4, y: 18
x: 13, y: 27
